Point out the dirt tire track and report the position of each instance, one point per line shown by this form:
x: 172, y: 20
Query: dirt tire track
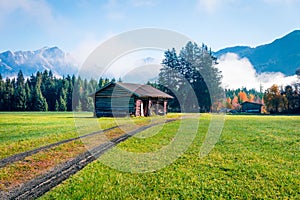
x: 40, y: 185
x: 21, y: 156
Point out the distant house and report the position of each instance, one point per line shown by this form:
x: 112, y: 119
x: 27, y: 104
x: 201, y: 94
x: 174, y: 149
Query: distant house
x: 251, y: 107
x: 124, y: 99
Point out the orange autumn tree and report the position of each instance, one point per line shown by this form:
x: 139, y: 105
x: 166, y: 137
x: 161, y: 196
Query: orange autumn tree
x: 228, y: 103
x: 242, y: 97
x: 251, y: 98
x: 273, y: 99
x: 235, y: 103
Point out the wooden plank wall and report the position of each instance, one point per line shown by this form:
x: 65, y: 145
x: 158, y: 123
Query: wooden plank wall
x: 114, y: 100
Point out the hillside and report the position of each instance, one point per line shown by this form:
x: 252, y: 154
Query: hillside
x: 54, y: 59
x: 282, y: 55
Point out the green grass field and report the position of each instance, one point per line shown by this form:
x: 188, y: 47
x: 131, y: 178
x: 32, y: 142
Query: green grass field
x: 23, y: 131
x: 255, y: 157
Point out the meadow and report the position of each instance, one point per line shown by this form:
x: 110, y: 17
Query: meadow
x: 255, y: 157
x: 23, y: 131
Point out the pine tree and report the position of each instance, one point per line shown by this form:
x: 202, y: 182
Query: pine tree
x: 2, y: 84
x: 28, y: 95
x: 192, y: 72
x: 69, y: 93
x: 62, y: 104
x: 56, y: 106
x: 20, y: 93
x: 48, y: 89
x: 77, y: 92
x: 8, y: 95
x: 38, y: 102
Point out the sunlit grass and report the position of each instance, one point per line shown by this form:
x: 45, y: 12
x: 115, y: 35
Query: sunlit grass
x: 256, y: 157
x: 23, y: 131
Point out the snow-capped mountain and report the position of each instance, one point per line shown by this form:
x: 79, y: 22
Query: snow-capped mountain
x: 54, y: 59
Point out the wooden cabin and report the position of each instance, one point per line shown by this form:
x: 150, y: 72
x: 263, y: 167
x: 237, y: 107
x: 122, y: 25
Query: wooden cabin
x: 251, y: 107
x: 126, y: 99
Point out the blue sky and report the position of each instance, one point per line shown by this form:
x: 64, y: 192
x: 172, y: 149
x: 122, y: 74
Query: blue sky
x: 79, y: 26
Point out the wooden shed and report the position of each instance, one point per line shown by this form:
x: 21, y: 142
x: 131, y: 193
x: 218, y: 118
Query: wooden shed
x: 251, y: 107
x: 125, y: 99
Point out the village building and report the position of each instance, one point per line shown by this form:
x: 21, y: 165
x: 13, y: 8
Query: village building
x: 126, y: 99
x: 251, y: 107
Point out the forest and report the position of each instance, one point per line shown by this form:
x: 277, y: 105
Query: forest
x: 46, y: 92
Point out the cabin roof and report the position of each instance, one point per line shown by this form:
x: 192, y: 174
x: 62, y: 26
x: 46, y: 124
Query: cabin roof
x: 251, y: 103
x: 140, y: 90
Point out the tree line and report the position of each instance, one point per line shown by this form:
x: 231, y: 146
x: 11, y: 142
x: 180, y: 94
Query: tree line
x: 234, y: 98
x: 46, y: 92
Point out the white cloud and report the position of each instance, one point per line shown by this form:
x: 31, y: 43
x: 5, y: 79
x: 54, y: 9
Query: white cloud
x: 35, y: 12
x: 40, y: 10
x: 239, y: 72
x: 211, y: 6
x: 142, y: 3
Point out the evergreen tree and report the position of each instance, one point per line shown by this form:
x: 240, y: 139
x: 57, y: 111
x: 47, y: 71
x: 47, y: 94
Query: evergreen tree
x: 56, y: 106
x: 20, y: 93
x: 8, y: 95
x: 69, y: 93
x: 28, y: 95
x: 62, y: 104
x: 38, y: 102
x: 62, y: 99
x: 192, y: 71
x: 76, y: 97
x: 2, y: 86
x: 100, y: 83
x: 48, y: 89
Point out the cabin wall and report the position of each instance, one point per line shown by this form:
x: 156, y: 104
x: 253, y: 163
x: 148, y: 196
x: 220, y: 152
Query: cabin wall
x: 117, y: 101
x: 114, y: 101
x: 251, y: 107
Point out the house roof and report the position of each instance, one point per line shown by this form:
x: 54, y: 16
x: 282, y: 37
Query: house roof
x: 251, y: 103
x: 140, y: 90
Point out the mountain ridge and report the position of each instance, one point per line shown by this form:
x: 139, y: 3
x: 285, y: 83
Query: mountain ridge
x: 46, y: 58
x: 281, y: 55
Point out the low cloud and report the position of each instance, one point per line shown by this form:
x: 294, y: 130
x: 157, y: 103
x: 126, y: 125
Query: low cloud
x: 138, y: 66
x: 87, y: 45
x: 239, y: 72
